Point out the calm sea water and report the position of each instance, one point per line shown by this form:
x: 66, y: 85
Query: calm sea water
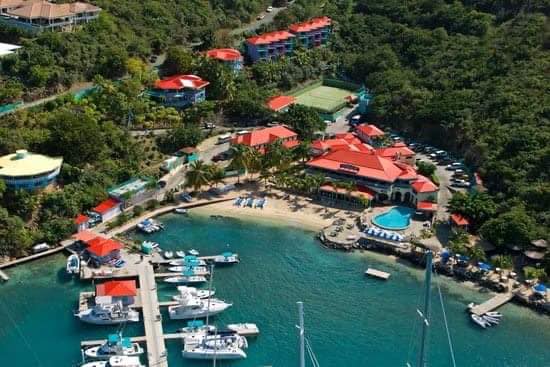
x: 350, y: 320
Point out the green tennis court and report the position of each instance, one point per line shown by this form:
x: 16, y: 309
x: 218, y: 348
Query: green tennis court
x: 323, y: 97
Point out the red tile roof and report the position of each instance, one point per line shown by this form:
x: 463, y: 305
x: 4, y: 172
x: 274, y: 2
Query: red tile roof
x: 101, y: 246
x: 396, y: 151
x: 349, y: 137
x: 426, y: 206
x: 81, y: 218
x: 351, y: 144
x: 358, y: 163
x: 224, y: 54
x: 459, y: 220
x: 106, y: 205
x: 360, y: 191
x: 278, y: 103
x: 181, y: 82
x: 264, y: 136
x: 267, y: 38
x: 117, y: 288
x: 424, y: 184
x: 407, y: 172
x: 291, y: 143
x: 369, y: 130
x: 311, y: 25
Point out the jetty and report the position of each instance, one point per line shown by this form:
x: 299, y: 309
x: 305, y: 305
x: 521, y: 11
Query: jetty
x: 135, y: 339
x: 162, y: 261
x: 64, y: 246
x: 492, y: 304
x: 377, y: 274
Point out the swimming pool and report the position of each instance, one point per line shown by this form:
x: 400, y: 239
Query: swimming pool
x: 396, y: 218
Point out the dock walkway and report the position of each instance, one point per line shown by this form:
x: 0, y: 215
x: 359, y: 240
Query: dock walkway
x: 135, y: 339
x: 492, y: 303
x: 64, y: 246
x: 377, y: 273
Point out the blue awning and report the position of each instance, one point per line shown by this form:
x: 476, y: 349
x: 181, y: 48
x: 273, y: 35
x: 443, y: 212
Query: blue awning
x: 484, y: 266
x: 541, y: 288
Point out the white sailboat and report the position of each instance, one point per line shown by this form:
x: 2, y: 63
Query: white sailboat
x: 117, y: 361
x: 200, y: 293
x: 195, y: 270
x: 192, y: 307
x: 115, y: 345
x: 186, y: 279
x: 108, y: 314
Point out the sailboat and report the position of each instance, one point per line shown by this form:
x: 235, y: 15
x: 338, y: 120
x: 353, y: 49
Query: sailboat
x: 304, y: 343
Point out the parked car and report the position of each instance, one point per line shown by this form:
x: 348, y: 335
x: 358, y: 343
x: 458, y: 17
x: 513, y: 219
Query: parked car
x: 454, y: 166
x: 209, y: 125
x: 260, y: 17
x: 458, y: 172
x: 355, y: 119
x: 223, y: 156
x: 153, y: 59
x: 269, y: 9
x: 186, y: 197
x: 41, y: 247
x: 461, y: 183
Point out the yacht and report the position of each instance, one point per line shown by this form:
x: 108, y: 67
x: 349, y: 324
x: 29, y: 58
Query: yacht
x: 73, y: 264
x: 480, y: 321
x: 200, y: 293
x: 108, y: 314
x: 168, y: 255
x: 192, y: 307
x: 180, y: 253
x: 117, y: 361
x: 214, y: 347
x: 188, y: 261
x: 193, y: 252
x: 115, y: 345
x: 180, y: 210
x: 226, y: 258
x: 193, y: 270
x: 186, y: 279
x: 244, y: 329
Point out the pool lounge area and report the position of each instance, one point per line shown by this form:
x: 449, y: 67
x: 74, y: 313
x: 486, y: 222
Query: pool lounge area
x: 397, y: 218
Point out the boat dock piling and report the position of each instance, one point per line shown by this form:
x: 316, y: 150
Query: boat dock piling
x: 492, y: 304
x: 377, y: 274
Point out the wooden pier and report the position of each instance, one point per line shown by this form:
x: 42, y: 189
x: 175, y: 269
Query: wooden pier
x: 64, y: 246
x: 377, y: 274
x: 161, y: 261
x: 135, y: 339
x: 492, y: 304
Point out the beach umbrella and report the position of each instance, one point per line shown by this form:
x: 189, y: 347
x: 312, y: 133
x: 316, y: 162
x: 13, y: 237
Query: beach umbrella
x: 484, y: 266
x: 540, y: 288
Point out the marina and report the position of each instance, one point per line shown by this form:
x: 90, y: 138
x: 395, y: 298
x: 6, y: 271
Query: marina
x: 492, y: 304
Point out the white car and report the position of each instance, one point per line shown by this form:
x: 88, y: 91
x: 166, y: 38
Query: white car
x: 269, y: 9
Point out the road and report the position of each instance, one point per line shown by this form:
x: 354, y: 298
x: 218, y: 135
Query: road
x: 254, y: 25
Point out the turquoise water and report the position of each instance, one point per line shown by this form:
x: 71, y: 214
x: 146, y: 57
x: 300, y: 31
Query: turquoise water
x: 351, y: 320
x: 397, y: 218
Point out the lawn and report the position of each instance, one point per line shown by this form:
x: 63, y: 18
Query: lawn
x: 323, y: 97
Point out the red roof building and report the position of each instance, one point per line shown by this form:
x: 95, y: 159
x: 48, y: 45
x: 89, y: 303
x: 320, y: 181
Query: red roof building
x: 459, y: 220
x: 261, y: 138
x: 341, y: 142
x: 311, y: 25
x: 81, y: 218
x: 101, y: 247
x: 270, y: 37
x: 426, y: 206
x: 424, y: 185
x: 106, y: 205
x: 367, y: 132
x: 84, y: 236
x: 224, y: 54
x: 117, y: 288
x: 280, y: 103
x: 398, y: 152
x: 178, y: 82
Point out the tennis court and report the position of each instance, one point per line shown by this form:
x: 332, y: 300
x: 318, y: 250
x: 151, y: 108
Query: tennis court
x: 323, y: 97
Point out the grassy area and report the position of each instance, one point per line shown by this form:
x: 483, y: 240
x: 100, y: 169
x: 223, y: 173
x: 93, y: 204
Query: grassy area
x: 322, y: 97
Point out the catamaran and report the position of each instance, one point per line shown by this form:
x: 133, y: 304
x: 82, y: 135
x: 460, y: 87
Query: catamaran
x: 108, y: 314
x: 226, y: 258
x: 117, y: 361
x: 115, y: 345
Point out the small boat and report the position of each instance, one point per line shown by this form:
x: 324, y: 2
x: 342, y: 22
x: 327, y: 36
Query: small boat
x: 180, y: 253
x: 116, y: 361
x: 491, y: 320
x: 244, y: 329
x: 192, y: 270
x: 478, y: 320
x: 181, y: 211
x: 73, y: 264
x: 115, y: 345
x: 212, y: 347
x: 191, y: 307
x: 193, y: 252
x: 168, y: 254
x: 494, y: 314
x: 187, y: 261
x: 226, y: 258
x: 108, y: 314
x: 200, y: 293
x: 186, y: 279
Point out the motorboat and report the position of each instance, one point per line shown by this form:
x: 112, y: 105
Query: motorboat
x: 478, y: 320
x: 193, y: 252
x: 180, y: 253
x: 200, y: 293
x: 73, y: 264
x: 115, y: 345
x: 116, y: 361
x: 244, y: 329
x: 186, y: 279
x: 168, y: 254
x: 494, y: 314
x: 226, y: 258
x: 214, y: 348
x: 192, y: 307
x: 180, y: 211
x: 491, y: 320
x: 188, y: 260
x: 108, y: 314
x: 193, y: 270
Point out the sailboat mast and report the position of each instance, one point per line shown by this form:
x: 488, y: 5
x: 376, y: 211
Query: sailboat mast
x: 302, y: 332
x: 426, y: 311
x: 209, y: 292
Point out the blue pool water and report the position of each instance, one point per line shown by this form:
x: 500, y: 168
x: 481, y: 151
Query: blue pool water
x: 397, y: 218
x: 351, y: 320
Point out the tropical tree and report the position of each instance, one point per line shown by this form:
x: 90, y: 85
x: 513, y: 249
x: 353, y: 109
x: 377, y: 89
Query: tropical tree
x: 216, y: 174
x: 302, y: 151
x: 241, y: 159
x: 198, y: 175
x: 304, y: 120
x: 479, y: 207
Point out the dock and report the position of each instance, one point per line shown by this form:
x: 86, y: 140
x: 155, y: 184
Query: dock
x: 377, y: 274
x: 64, y: 246
x: 135, y: 339
x: 4, y: 276
x: 492, y: 304
x: 162, y: 261
x: 86, y: 299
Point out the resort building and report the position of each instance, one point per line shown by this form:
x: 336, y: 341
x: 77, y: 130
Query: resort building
x: 313, y: 33
x: 386, y: 179
x: 29, y: 171
x: 261, y: 138
x: 228, y: 56
x: 108, y: 209
x: 272, y: 45
x: 458, y: 221
x: 39, y: 16
x: 114, y: 291
x: 280, y: 103
x: 179, y: 91
x: 398, y: 152
x: 82, y: 222
x: 131, y: 191
x: 369, y: 133
x: 103, y: 250
x: 344, y: 141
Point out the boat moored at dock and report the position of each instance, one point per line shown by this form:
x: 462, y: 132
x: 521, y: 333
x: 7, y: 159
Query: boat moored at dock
x: 200, y: 293
x: 192, y: 270
x: 244, y: 329
x: 117, y: 361
x: 108, y: 314
x: 192, y: 307
x: 226, y: 258
x: 186, y: 279
x: 73, y: 264
x: 115, y: 345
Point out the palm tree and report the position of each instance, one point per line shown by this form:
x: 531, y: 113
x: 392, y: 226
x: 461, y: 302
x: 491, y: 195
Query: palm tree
x: 302, y: 151
x: 477, y: 254
x: 216, y: 174
x: 241, y: 159
x: 198, y: 175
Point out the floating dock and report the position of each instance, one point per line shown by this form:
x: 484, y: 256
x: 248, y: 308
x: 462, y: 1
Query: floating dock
x: 492, y: 304
x: 377, y: 274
